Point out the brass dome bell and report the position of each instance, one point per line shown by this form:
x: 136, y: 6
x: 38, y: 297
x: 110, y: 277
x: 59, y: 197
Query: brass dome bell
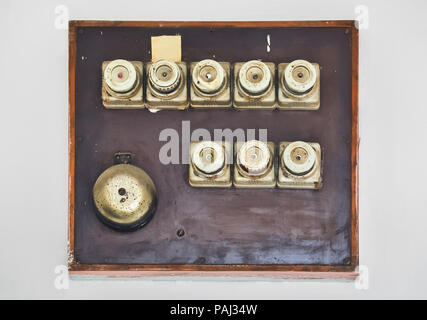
x: 125, y: 197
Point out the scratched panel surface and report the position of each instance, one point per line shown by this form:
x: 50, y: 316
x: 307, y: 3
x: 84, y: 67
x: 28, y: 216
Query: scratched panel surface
x: 222, y: 226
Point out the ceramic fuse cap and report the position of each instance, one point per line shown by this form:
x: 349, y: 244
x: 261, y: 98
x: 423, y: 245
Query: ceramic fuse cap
x: 299, y: 76
x: 164, y: 76
x: 254, y: 158
x: 254, y: 77
x: 120, y: 76
x: 208, y: 157
x: 125, y: 197
x: 299, y: 158
x: 208, y: 76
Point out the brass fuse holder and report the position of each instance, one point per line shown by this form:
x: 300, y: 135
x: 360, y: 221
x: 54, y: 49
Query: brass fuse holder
x: 209, y: 164
x: 210, y: 84
x: 254, y: 86
x: 299, y: 165
x: 122, y: 84
x: 125, y: 196
x: 166, y: 85
x: 254, y: 164
x: 299, y: 86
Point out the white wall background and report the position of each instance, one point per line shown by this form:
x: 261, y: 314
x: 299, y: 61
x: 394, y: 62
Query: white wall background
x: 33, y: 148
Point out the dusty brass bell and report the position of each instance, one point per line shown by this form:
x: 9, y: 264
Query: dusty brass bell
x: 125, y: 197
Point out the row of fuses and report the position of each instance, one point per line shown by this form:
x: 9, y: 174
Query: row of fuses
x: 254, y: 163
x: 212, y: 84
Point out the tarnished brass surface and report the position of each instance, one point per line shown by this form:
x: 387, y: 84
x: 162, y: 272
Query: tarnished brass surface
x: 125, y: 197
x: 254, y: 86
x: 299, y: 165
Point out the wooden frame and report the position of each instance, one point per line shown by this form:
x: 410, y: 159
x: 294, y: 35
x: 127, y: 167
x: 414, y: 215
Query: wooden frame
x: 284, y: 271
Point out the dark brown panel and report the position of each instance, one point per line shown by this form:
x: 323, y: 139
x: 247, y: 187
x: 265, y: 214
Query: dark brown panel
x: 229, y: 226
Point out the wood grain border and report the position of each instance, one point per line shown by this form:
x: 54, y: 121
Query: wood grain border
x: 276, y: 271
